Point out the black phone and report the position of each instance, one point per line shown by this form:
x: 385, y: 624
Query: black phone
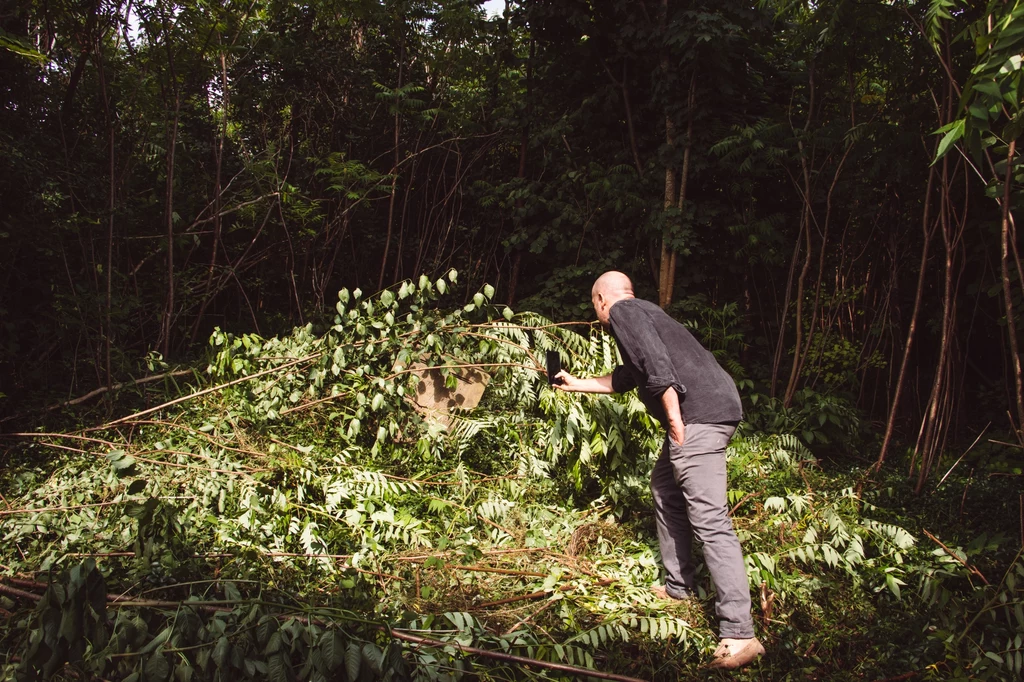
x: 554, y: 367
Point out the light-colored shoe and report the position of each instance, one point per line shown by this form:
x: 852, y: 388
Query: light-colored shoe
x: 736, y: 653
x: 661, y: 592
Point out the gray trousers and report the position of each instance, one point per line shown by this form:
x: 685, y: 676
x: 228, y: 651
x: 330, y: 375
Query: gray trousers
x: 688, y: 483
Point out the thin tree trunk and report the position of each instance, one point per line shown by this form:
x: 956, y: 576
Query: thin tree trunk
x: 934, y: 425
x: 524, y: 143
x: 805, y: 221
x: 931, y: 434
x: 780, y: 345
x: 816, y: 309
x: 394, y: 167
x: 624, y: 87
x: 800, y: 283
x: 670, y: 203
x: 397, y: 272
x: 670, y: 271
x: 218, y: 163
x: 81, y: 62
x: 111, y: 189
x: 1011, y: 322
x: 928, y: 230
x: 670, y: 172
x: 172, y: 139
x: 288, y: 234
x: 629, y: 121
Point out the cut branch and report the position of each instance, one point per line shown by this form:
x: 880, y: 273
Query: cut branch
x: 511, y: 658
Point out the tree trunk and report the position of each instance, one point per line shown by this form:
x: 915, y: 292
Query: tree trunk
x: 670, y: 271
x: 524, y: 143
x: 394, y: 167
x: 629, y: 121
x: 805, y: 231
x: 1004, y: 265
x: 172, y: 142
x: 927, y: 230
x: 624, y: 87
x: 108, y: 330
x: 805, y: 225
x: 804, y: 353
x: 218, y: 164
x: 932, y: 435
x: 780, y: 344
x: 666, y: 270
x: 172, y: 139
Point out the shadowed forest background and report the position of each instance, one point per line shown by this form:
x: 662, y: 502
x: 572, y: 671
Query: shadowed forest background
x: 824, y: 191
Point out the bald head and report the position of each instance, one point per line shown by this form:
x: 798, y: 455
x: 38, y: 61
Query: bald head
x: 613, y: 284
x: 610, y: 288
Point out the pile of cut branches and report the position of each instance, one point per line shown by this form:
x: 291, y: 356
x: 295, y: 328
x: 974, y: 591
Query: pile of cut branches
x: 302, y: 518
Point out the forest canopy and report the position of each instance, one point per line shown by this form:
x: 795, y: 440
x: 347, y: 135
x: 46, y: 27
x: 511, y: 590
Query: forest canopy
x: 222, y: 224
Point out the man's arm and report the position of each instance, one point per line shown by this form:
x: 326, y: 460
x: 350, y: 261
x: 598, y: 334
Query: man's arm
x: 571, y: 384
x: 676, y: 427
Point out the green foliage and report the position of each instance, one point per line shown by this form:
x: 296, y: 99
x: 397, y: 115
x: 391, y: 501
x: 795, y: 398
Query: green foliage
x: 256, y: 534
x: 991, y: 100
x: 818, y: 418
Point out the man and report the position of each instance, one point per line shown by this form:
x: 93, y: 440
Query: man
x: 696, y: 401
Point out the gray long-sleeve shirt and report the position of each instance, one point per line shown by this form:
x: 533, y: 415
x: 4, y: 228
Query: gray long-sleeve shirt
x: 658, y: 354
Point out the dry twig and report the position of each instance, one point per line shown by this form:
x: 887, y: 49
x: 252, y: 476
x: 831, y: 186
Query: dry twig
x: 953, y: 554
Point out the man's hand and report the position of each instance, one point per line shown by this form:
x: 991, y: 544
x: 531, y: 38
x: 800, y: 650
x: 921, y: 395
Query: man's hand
x: 571, y: 384
x: 568, y: 383
x: 676, y: 426
x: 677, y: 433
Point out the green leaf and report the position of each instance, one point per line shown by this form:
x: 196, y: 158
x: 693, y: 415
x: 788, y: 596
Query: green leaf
x: 333, y: 646
x: 990, y: 88
x: 353, y: 661
x: 488, y: 291
x: 183, y: 672
x: 20, y: 47
x: 119, y: 461
x: 266, y: 627
x: 231, y: 592
x: 442, y: 286
x: 157, y: 668
x: 221, y: 651
x: 954, y: 134
x: 1011, y: 64
x: 979, y: 113
x: 277, y: 668
x: 374, y: 657
x: 478, y: 299
x: 507, y: 313
x: 893, y: 584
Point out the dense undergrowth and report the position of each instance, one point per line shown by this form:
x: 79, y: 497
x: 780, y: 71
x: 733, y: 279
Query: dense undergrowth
x: 304, y: 521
